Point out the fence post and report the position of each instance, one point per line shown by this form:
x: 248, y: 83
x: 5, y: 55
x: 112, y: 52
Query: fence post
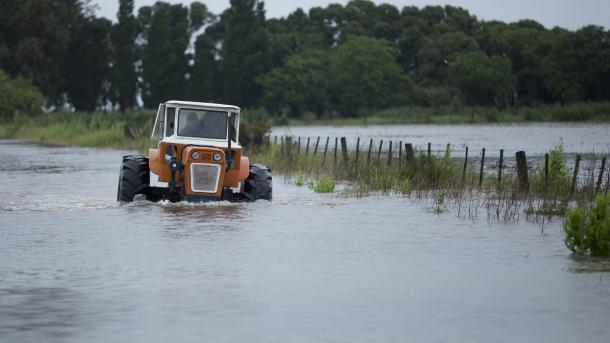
x: 429, y: 149
x: 546, y: 172
x: 390, y: 155
x: 399, y: 153
x: 368, y: 159
x: 379, y: 152
x: 307, y: 147
x: 325, y: 149
x: 482, y: 165
x: 500, y: 164
x: 575, y: 176
x: 465, y: 165
x: 336, y: 142
x: 357, y: 152
x: 299, y: 146
x: 282, y: 146
x: 315, y: 150
x: 344, y: 148
x: 522, y: 170
x: 289, y: 147
x: 275, y: 140
x: 601, y: 175
x: 410, y: 156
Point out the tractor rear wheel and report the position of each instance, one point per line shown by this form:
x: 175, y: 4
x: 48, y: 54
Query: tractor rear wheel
x: 134, y: 178
x: 259, y: 183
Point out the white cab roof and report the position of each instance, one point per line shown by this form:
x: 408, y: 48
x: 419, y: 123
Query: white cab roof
x: 204, y: 105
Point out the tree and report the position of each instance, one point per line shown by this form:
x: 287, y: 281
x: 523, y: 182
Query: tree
x: 365, y: 75
x: 483, y: 80
x: 245, y: 51
x: 206, y: 84
x: 167, y: 30
x: 18, y: 96
x: 87, y: 64
x: 35, y: 35
x: 437, y: 53
x: 124, y: 69
x: 301, y: 84
x: 578, y: 66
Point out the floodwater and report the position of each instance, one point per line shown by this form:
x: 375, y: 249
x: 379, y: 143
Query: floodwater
x: 77, y: 267
x: 534, y: 138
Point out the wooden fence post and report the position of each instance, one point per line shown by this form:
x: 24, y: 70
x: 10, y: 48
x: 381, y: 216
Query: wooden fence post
x: 336, y: 142
x: 368, y: 159
x: 315, y: 150
x: 575, y: 175
x: 522, y: 170
x: 379, y: 152
x: 307, y: 147
x: 601, y: 175
x: 390, y: 155
x: 500, y: 165
x: 357, y: 152
x: 546, y: 172
x: 399, y: 153
x: 482, y: 165
x: 410, y: 156
x: 275, y: 140
x: 344, y: 149
x: 325, y: 149
x: 282, y: 146
x: 465, y: 165
x: 429, y: 149
x: 289, y: 147
x: 299, y: 146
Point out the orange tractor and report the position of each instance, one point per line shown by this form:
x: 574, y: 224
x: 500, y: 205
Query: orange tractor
x: 198, y: 158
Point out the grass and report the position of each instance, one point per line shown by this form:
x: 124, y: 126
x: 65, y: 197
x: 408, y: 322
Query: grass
x: 106, y: 130
x: 440, y: 179
x: 575, y: 112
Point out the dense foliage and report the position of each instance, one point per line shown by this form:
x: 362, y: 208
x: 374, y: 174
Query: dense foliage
x: 588, y: 228
x: 334, y: 61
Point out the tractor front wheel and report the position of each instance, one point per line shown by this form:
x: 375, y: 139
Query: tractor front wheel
x: 134, y: 178
x: 259, y: 183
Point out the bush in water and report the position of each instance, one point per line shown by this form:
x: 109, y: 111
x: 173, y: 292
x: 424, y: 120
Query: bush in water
x: 588, y: 228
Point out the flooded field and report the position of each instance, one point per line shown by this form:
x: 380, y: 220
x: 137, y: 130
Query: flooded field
x: 76, y: 266
x: 534, y: 138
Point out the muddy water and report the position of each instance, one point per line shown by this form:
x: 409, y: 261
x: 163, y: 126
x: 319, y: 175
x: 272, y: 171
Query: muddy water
x: 75, y: 266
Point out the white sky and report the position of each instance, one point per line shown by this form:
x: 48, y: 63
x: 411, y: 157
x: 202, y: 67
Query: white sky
x: 571, y: 14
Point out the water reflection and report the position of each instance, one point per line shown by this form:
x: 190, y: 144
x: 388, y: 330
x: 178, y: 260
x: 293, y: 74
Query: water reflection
x: 587, y: 264
x: 44, y: 312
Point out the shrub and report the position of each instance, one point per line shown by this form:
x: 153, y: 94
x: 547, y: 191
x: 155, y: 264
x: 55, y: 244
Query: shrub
x: 587, y: 228
x: 325, y: 185
x: 18, y: 97
x: 559, y: 176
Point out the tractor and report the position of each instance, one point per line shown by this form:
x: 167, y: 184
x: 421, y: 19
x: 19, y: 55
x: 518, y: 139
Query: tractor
x: 198, y: 158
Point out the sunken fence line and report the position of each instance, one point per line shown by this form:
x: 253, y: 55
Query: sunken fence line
x: 588, y: 172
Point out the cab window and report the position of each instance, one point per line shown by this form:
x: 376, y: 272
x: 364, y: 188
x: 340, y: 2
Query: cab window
x: 202, y: 123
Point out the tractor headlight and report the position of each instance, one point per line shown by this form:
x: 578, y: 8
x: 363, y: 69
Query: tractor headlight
x: 217, y: 157
x: 195, y: 155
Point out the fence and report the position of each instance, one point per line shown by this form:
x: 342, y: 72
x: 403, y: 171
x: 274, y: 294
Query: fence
x: 588, y: 172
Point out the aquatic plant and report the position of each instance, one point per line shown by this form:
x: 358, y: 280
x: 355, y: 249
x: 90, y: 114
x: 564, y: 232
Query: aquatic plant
x: 558, y: 174
x: 326, y: 184
x: 587, y: 228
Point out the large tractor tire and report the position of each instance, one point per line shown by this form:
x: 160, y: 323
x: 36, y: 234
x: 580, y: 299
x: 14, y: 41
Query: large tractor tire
x: 259, y: 184
x: 134, y: 178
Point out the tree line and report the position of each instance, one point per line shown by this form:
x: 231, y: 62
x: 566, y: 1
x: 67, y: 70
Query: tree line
x: 338, y: 60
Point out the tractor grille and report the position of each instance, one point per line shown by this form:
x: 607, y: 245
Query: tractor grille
x: 204, y: 177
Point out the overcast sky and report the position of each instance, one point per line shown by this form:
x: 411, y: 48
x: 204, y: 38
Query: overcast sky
x: 571, y: 14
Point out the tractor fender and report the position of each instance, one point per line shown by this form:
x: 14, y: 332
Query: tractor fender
x: 244, y: 168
